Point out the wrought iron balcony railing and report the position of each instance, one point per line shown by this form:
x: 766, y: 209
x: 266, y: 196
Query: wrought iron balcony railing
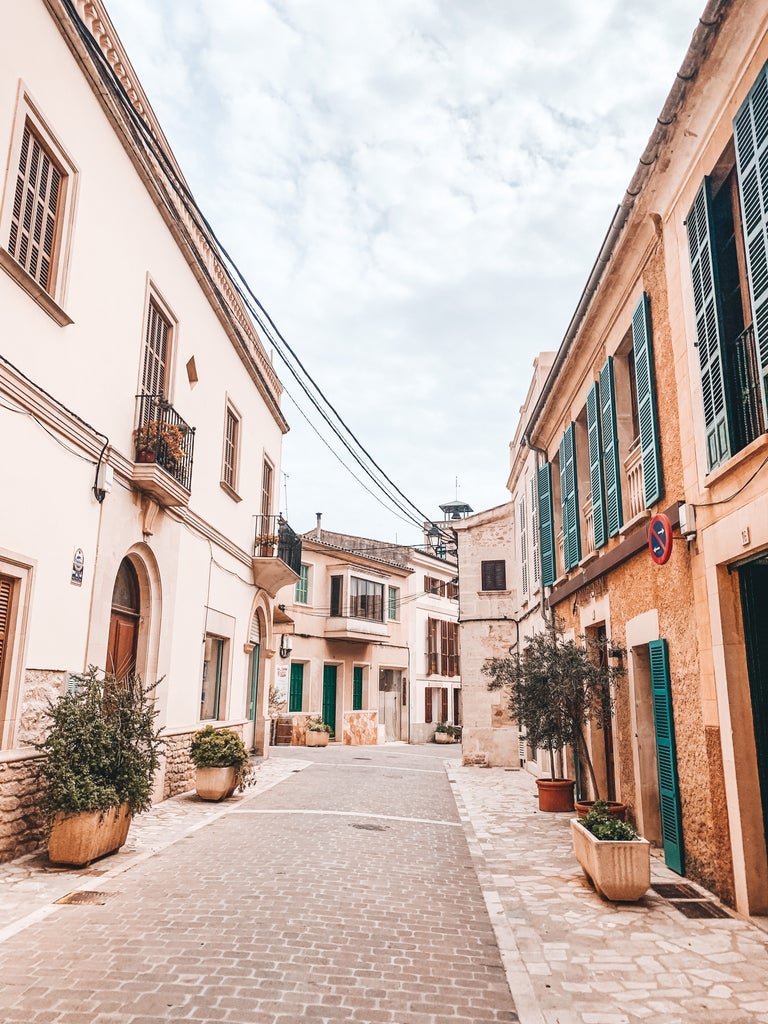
x: 746, y: 405
x: 275, y: 539
x: 164, y: 438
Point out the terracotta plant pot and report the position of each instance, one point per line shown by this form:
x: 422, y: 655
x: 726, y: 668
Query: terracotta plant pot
x: 555, y: 794
x: 215, y: 783
x: 84, y: 837
x: 618, y: 870
x: 317, y: 739
x: 614, y: 809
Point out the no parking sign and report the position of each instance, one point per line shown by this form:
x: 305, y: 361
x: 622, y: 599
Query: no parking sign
x: 660, y: 538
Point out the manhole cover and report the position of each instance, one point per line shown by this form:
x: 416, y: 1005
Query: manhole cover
x: 83, y: 896
x: 371, y: 828
x: 699, y: 908
x: 676, y: 891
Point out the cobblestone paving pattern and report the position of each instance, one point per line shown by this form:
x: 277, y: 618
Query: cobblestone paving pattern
x: 270, y: 915
x: 573, y: 958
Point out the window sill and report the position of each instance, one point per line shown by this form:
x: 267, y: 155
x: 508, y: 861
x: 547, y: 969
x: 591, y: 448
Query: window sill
x: 641, y: 517
x: 33, y: 289
x: 230, y: 491
x: 587, y: 559
x: 754, y: 447
x: 491, y: 593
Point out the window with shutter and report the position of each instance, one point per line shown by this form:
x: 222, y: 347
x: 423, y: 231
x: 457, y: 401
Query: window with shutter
x: 569, y: 497
x: 6, y: 592
x: 231, y: 445
x: 428, y: 705
x: 646, y: 401
x: 357, y: 688
x: 595, y: 447
x: 433, y: 646
x: 336, y: 595
x: 614, y: 517
x: 156, y: 352
x: 36, y: 208
x: 523, y: 547
x: 751, y: 135
x: 535, y: 558
x: 493, y: 574
x: 301, y: 590
x: 444, y: 704
x: 546, y: 524
x: 266, y: 488
x: 393, y: 603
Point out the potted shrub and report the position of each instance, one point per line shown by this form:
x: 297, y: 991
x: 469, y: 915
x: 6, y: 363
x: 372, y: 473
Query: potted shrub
x: 318, y: 733
x: 444, y: 733
x: 556, y: 687
x: 102, y: 752
x: 222, y: 763
x: 161, y: 442
x: 612, y: 855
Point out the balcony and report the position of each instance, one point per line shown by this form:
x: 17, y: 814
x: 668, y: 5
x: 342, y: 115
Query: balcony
x: 276, y: 554
x: 348, y: 626
x: 633, y: 467
x: 164, y: 446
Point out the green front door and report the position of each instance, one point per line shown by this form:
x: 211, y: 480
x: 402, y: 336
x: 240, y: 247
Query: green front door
x: 329, y: 697
x: 296, y: 693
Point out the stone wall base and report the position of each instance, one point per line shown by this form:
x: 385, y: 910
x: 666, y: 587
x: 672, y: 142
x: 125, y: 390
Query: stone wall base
x: 21, y: 827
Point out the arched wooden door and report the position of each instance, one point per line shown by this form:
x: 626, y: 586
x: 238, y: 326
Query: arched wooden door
x: 124, y: 622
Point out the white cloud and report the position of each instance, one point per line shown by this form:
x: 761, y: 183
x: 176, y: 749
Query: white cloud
x: 427, y: 185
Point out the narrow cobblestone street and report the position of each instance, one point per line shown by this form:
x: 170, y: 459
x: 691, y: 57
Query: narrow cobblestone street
x: 344, y: 893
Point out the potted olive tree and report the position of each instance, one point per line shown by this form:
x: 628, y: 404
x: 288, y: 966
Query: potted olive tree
x: 612, y: 855
x: 101, y: 755
x: 556, y: 687
x: 222, y: 762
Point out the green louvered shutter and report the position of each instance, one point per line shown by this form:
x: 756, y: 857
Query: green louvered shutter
x: 569, y: 498
x: 329, y: 696
x: 613, y: 509
x: 546, y: 525
x: 750, y: 129
x: 596, y: 465
x: 646, y: 401
x: 706, y: 304
x: 669, y: 789
x: 296, y: 692
x: 357, y: 688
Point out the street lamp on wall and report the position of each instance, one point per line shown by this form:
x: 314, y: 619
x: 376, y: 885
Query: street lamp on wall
x: 286, y: 645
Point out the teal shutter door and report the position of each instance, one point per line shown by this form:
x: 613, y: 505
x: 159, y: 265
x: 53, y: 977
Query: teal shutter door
x: 596, y: 465
x: 357, y: 688
x: 329, y: 697
x: 646, y: 401
x: 706, y: 305
x: 750, y: 129
x: 669, y: 790
x: 546, y: 525
x: 614, y: 514
x: 569, y: 498
x: 296, y: 694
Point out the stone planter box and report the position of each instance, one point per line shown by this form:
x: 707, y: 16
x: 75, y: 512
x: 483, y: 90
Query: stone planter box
x: 443, y: 737
x: 317, y: 739
x: 618, y: 870
x: 87, y: 836
x: 215, y: 783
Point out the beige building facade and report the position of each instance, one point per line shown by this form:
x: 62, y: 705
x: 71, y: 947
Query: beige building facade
x: 144, y: 412
x: 651, y: 459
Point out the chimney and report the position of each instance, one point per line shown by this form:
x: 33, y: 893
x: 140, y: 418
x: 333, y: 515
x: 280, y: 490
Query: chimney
x: 319, y: 531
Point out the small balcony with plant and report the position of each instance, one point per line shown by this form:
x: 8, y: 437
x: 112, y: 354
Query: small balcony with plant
x: 276, y: 554
x: 163, y: 452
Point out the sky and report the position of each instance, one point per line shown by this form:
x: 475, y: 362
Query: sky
x: 416, y: 191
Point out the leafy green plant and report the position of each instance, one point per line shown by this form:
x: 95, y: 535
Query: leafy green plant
x: 222, y: 748
x: 103, y: 747
x: 602, y: 826
x: 316, y: 724
x: 444, y: 727
x: 556, y: 687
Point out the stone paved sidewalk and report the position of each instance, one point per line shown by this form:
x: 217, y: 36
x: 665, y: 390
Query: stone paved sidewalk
x: 571, y: 957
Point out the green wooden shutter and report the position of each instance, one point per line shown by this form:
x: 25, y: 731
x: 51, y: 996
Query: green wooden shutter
x: 669, y: 789
x: 750, y: 129
x: 296, y: 693
x: 569, y: 498
x: 614, y: 513
x: 357, y: 688
x: 546, y: 525
x: 596, y: 465
x: 329, y: 697
x: 706, y: 304
x: 646, y: 401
